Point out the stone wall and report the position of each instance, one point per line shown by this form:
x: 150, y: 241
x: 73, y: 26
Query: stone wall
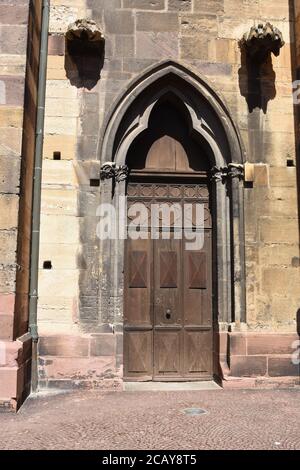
x: 205, y: 36
x: 20, y: 23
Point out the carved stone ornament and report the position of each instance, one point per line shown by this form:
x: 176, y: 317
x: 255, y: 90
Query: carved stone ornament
x: 223, y: 174
x: 84, y: 29
x: 261, y: 41
x: 110, y: 170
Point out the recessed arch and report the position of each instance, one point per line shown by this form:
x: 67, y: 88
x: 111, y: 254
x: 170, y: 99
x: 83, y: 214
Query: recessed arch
x: 166, y: 76
x: 209, y: 122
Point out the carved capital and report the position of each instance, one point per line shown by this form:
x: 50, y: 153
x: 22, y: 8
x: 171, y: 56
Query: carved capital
x: 121, y: 173
x: 110, y: 170
x: 224, y: 174
x: 107, y: 171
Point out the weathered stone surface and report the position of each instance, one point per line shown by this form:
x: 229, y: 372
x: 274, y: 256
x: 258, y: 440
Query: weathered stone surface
x: 124, y: 46
x: 144, y: 4
x: 103, y: 345
x: 279, y: 230
x: 238, y: 344
x: 180, y: 5
x: 157, y: 45
x: 119, y: 22
x: 282, y: 366
x: 270, y: 343
x: 13, y: 40
x: 209, y: 6
x: 9, y: 210
x: 68, y: 346
x: 248, y: 366
x: 157, y: 22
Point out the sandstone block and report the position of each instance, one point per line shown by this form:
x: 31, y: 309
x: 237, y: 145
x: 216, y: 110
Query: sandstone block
x: 279, y: 230
x: 66, y: 346
x: 60, y: 229
x: 103, y: 345
x: 9, y: 211
x: 64, y: 144
x: 119, y: 22
x: 247, y: 366
x: 157, y: 22
x: 144, y: 4
x: 259, y: 344
x: 157, y: 45
x: 282, y: 366
x: 180, y: 5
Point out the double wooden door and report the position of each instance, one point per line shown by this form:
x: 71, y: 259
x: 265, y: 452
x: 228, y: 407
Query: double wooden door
x: 168, y: 286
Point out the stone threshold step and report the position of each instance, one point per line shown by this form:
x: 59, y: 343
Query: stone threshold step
x: 169, y: 386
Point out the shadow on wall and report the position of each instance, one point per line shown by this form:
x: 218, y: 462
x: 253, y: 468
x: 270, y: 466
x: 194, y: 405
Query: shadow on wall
x: 257, y: 81
x: 83, y: 62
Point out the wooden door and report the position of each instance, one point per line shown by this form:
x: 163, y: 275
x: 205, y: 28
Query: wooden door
x: 168, y: 290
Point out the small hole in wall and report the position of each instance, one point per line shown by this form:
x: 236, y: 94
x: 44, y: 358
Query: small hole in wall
x: 47, y: 265
x: 95, y: 183
x: 248, y: 184
x: 56, y: 155
x: 290, y: 162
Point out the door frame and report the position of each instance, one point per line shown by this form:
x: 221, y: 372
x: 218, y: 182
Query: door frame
x: 196, y: 178
x: 211, y: 121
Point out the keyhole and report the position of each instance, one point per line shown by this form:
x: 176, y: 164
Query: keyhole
x: 168, y: 314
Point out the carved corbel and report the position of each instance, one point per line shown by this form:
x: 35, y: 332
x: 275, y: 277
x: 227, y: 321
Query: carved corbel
x: 84, y: 30
x: 261, y: 41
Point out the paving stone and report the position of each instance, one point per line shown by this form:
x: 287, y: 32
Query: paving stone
x: 154, y: 420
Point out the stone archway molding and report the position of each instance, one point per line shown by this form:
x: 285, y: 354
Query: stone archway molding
x: 209, y: 118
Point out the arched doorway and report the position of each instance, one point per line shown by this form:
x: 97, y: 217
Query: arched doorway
x: 162, y: 152
x: 168, y: 316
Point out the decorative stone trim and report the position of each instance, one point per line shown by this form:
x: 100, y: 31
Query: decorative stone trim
x: 261, y: 41
x: 110, y: 170
x: 224, y: 174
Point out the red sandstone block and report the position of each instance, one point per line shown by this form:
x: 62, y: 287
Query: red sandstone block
x: 71, y: 368
x: 8, y: 383
x: 221, y: 342
x: 67, y: 346
x: 238, y: 346
x: 248, y: 366
x: 103, y: 345
x: 56, y: 45
x: 10, y: 353
x: 282, y: 366
x: 267, y: 343
x: 7, y: 304
x: 6, y: 326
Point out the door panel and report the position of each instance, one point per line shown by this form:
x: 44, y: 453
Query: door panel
x: 168, y: 292
x: 138, y: 354
x: 198, y: 353
x: 167, y: 353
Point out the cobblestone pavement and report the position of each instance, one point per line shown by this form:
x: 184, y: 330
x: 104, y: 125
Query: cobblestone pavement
x: 235, y: 419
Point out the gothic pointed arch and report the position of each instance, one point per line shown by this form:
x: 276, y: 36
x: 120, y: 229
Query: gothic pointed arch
x: 208, y: 121
x: 209, y: 115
